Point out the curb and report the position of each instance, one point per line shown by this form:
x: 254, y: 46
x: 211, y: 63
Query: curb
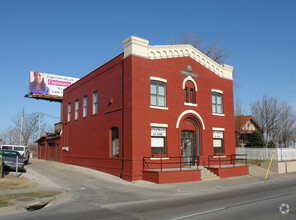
x: 36, y: 204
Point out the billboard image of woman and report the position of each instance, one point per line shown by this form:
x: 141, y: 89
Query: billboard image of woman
x: 38, y: 85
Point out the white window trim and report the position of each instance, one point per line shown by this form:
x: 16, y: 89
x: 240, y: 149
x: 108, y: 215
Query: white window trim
x: 158, y: 158
x: 218, y: 129
x: 189, y: 78
x: 222, y: 156
x: 217, y: 91
x: 159, y: 125
x: 158, y: 107
x: 190, y: 104
x: 217, y: 114
x: 152, y: 78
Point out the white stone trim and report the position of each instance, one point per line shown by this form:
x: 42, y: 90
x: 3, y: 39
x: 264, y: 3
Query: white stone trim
x: 158, y: 158
x: 217, y: 91
x: 159, y: 125
x: 140, y: 47
x: 189, y: 112
x: 190, y: 104
x: 218, y: 129
x: 189, y: 78
x: 158, y: 79
x: 217, y: 114
x: 158, y: 107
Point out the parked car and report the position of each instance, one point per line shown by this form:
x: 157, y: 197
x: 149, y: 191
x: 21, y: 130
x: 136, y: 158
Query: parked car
x: 23, y: 150
x: 10, y: 159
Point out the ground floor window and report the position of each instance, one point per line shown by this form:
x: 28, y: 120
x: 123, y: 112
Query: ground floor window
x: 115, y: 142
x: 158, y: 140
x: 218, y: 142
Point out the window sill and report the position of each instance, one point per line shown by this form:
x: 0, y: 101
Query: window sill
x: 190, y: 104
x: 158, y: 158
x: 158, y: 107
x: 219, y: 156
x: 217, y: 114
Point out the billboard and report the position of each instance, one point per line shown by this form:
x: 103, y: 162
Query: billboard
x: 48, y: 84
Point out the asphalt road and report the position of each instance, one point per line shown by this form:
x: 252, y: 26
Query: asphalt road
x: 98, y: 196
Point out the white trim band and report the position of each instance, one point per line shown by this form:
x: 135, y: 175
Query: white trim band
x: 217, y: 90
x: 159, y: 125
x: 158, y: 79
x: 218, y: 129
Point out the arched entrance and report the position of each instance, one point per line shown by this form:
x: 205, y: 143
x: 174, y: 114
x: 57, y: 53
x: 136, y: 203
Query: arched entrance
x: 190, y: 140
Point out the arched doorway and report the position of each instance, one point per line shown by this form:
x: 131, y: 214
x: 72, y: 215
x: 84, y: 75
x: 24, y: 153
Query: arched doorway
x: 190, y: 140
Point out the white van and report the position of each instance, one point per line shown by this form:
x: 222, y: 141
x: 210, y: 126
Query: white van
x: 23, y: 150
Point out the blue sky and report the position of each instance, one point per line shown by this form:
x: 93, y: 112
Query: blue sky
x: 72, y: 38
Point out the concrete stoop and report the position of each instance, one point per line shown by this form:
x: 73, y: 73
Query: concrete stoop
x: 207, y: 175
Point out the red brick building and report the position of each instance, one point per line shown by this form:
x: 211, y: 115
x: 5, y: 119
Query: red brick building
x: 150, y: 101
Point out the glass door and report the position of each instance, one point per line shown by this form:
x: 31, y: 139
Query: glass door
x: 188, y: 147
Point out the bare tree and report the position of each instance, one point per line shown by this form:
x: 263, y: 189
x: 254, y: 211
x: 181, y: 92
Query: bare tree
x: 287, y: 124
x: 214, y: 50
x: 266, y: 112
x: 30, y: 129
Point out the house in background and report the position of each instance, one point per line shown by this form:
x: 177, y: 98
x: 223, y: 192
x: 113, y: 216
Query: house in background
x: 245, y: 125
x: 149, y: 104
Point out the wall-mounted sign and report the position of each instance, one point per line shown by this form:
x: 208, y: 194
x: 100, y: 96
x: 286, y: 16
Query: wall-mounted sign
x: 48, y: 84
x: 189, y: 72
x: 160, y: 132
x: 218, y: 134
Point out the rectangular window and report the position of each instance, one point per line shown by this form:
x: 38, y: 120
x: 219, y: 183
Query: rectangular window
x: 69, y: 111
x: 217, y: 105
x: 115, y: 142
x: 192, y: 95
x: 218, y: 142
x: 76, y: 109
x: 84, y: 106
x: 95, y: 102
x: 158, y: 94
x: 158, y: 140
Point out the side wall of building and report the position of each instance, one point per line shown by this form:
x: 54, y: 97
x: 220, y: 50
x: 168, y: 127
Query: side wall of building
x: 88, y: 137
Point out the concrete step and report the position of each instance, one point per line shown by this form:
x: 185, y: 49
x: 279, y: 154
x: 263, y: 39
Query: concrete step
x: 207, y: 175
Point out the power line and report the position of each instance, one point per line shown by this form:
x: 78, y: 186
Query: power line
x: 50, y: 115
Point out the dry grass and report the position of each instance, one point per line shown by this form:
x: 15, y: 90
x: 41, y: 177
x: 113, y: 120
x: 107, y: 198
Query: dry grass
x: 11, y: 182
x: 12, y: 199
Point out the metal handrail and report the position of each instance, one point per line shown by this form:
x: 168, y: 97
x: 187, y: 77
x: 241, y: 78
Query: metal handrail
x: 178, y: 161
x: 227, y: 158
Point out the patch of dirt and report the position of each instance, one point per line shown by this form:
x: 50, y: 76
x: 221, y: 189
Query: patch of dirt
x: 24, y: 199
x: 11, y: 182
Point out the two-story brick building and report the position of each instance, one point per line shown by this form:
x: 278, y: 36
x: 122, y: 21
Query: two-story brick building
x: 158, y: 102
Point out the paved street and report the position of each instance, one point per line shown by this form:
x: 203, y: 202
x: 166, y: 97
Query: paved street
x: 95, y: 195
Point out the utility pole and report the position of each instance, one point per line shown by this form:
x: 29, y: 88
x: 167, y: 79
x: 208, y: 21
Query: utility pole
x: 22, y: 122
x: 39, y: 126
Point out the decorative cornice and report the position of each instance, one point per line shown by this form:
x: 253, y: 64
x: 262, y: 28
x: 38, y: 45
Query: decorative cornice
x: 140, y: 47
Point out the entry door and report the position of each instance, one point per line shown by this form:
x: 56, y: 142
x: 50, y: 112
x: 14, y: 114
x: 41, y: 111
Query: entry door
x: 188, y: 147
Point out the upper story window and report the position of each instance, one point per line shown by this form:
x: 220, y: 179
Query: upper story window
x: 76, y: 109
x: 158, y: 94
x: 190, y: 89
x: 217, y: 102
x: 84, y: 106
x: 95, y: 102
x: 69, y: 111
